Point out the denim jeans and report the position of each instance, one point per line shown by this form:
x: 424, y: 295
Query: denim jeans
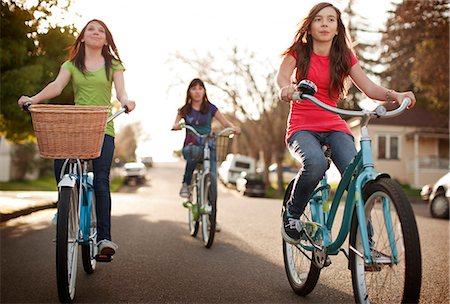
x: 194, y: 154
x: 306, y: 147
x: 101, y: 167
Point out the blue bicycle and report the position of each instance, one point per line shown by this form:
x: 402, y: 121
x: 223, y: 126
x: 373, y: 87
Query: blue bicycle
x: 384, y: 249
x: 76, y: 216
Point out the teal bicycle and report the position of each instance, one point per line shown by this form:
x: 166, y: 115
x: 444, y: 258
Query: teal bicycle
x: 76, y: 216
x: 383, y: 254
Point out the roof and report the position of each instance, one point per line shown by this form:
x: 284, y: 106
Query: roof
x: 416, y: 117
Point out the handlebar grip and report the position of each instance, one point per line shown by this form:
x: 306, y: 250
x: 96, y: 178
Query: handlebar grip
x: 26, y: 106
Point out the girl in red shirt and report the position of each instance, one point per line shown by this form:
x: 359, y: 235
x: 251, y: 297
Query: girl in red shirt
x: 320, y: 52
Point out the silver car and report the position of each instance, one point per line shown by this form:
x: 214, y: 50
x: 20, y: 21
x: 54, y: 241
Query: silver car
x: 437, y: 196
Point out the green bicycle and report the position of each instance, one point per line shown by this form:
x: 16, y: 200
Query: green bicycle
x: 384, y: 249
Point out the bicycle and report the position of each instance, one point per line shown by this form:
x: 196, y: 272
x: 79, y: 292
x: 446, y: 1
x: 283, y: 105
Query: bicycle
x: 76, y: 216
x: 202, y: 200
x: 384, y: 249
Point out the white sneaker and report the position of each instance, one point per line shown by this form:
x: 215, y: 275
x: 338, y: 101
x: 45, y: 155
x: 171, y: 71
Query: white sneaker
x: 184, y: 191
x: 218, y: 227
x: 106, y: 247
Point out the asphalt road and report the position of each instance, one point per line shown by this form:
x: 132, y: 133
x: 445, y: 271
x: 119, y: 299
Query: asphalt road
x: 158, y: 262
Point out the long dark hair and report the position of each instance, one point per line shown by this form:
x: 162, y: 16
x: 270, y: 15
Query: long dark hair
x: 187, y: 107
x: 340, y: 54
x: 77, y: 51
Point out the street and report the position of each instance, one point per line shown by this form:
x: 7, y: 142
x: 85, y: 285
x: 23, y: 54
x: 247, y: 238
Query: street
x: 159, y: 262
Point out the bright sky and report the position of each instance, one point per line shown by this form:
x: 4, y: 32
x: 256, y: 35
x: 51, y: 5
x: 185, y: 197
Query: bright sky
x: 148, y: 32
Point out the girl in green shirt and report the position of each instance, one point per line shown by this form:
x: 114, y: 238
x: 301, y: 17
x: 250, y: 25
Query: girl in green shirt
x: 93, y: 66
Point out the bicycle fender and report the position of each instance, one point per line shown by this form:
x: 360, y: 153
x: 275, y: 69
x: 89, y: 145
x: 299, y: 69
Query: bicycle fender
x: 67, y: 181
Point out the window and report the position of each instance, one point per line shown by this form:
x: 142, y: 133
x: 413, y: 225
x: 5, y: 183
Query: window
x: 388, y: 147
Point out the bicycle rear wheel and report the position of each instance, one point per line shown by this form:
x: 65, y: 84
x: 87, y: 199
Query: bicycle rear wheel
x: 388, y: 281
x: 209, y: 210
x: 301, y: 272
x: 66, y: 243
x: 89, y: 250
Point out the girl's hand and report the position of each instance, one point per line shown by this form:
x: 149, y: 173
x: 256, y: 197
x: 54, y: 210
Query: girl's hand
x: 286, y: 93
x: 130, y: 104
x: 402, y: 95
x: 22, y: 100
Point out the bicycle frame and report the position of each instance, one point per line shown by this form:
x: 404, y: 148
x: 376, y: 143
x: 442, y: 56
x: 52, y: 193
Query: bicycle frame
x: 357, y: 174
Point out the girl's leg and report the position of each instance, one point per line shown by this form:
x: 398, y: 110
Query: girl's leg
x: 191, y: 154
x: 342, y: 149
x: 101, y: 167
x: 306, y: 147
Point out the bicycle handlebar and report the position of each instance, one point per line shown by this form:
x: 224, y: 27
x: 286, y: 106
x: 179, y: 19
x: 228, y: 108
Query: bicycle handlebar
x: 228, y: 129
x: 307, y: 90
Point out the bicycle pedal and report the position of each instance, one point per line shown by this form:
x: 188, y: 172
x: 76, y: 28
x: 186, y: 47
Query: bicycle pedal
x: 187, y: 204
x: 103, y: 258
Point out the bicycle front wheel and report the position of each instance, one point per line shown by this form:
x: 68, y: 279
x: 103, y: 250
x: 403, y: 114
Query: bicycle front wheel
x: 396, y: 274
x: 66, y: 243
x: 301, y: 272
x: 209, y: 210
x: 89, y: 250
x: 194, y: 209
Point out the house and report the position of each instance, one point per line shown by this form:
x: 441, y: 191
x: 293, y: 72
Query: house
x: 413, y: 147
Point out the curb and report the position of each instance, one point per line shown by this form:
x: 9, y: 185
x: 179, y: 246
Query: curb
x: 4, y: 217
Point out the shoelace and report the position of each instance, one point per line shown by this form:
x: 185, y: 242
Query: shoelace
x: 294, y: 224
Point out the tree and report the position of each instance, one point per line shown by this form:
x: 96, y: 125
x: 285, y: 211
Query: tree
x: 29, y: 60
x: 126, y: 142
x: 416, y: 51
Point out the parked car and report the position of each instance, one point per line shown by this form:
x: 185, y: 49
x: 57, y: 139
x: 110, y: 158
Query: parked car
x: 251, y: 184
x: 438, y: 196
x: 233, y: 165
x: 134, y: 173
x: 289, y: 173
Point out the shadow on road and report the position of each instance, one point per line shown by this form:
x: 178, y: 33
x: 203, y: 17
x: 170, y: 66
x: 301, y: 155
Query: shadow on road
x: 156, y: 262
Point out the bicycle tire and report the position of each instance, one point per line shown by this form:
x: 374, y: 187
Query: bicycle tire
x: 301, y: 272
x: 194, y: 208
x: 389, y: 283
x: 89, y: 251
x: 66, y: 243
x: 209, y: 218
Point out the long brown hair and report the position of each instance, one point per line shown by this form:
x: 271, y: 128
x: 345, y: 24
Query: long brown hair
x: 340, y: 54
x: 109, y: 51
x: 187, y: 107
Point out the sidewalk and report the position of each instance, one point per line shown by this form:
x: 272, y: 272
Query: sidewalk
x: 17, y: 203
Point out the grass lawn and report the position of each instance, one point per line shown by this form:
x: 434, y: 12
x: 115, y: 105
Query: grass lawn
x: 47, y: 183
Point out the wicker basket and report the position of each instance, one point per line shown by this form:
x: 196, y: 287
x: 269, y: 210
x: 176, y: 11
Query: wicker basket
x: 69, y: 131
x: 223, y: 145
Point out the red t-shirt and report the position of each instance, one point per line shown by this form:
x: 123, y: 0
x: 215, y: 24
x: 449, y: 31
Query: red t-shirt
x: 306, y: 115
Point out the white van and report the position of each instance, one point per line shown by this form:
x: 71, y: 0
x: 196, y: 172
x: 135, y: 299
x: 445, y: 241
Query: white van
x: 231, y: 168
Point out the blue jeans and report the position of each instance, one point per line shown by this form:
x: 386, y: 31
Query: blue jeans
x: 306, y: 147
x: 101, y: 167
x: 193, y: 154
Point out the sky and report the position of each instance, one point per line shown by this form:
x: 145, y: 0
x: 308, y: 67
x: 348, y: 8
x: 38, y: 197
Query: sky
x: 148, y: 33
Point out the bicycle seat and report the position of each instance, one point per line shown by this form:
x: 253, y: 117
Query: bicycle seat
x: 327, y: 152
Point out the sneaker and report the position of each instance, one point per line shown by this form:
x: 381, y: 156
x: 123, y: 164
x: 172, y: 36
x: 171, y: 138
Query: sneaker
x: 184, y: 191
x: 106, y: 248
x: 218, y: 227
x: 291, y: 230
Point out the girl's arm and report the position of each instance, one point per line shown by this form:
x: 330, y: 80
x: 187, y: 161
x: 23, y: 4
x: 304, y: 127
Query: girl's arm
x: 374, y: 91
x: 121, y: 93
x: 225, y: 122
x: 176, y: 124
x: 283, y: 78
x: 53, y: 89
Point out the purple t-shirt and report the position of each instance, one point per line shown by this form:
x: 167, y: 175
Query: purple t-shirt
x: 200, y: 122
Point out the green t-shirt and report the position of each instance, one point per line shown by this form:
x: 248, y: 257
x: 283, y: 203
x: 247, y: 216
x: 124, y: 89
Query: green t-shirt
x: 93, y: 88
